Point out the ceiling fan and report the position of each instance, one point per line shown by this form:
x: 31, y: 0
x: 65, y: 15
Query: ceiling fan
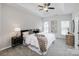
x: 45, y: 7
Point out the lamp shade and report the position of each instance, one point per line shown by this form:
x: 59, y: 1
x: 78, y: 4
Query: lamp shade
x: 17, y: 29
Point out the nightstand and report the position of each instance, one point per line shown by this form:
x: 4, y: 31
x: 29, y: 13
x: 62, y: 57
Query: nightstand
x: 15, y: 41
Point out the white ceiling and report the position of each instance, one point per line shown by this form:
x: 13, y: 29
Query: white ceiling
x: 60, y: 8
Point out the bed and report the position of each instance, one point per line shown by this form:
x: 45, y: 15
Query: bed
x: 34, y: 44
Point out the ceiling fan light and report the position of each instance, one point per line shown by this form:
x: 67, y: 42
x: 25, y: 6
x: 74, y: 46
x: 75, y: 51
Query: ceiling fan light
x: 45, y: 9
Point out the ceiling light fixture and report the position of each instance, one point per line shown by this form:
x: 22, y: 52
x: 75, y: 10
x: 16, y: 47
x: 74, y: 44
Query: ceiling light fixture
x: 45, y: 7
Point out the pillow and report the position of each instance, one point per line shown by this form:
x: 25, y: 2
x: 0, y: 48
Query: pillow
x: 30, y: 32
x: 40, y: 35
x: 25, y: 34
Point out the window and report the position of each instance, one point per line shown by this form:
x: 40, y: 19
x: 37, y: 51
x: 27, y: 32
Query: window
x: 64, y: 27
x: 46, y: 26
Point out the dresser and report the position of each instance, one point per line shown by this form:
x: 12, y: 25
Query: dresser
x: 70, y: 39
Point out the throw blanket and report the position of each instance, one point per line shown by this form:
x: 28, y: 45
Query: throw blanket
x: 42, y: 40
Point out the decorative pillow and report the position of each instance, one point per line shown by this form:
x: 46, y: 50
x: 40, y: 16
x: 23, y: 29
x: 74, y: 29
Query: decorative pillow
x: 40, y: 35
x: 30, y: 32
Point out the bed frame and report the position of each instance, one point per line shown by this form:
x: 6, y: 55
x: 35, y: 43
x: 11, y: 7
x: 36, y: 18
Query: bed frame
x: 32, y: 30
x: 23, y: 31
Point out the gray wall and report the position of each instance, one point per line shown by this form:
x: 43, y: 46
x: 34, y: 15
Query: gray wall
x: 15, y: 17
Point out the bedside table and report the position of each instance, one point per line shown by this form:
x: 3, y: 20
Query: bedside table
x: 15, y: 41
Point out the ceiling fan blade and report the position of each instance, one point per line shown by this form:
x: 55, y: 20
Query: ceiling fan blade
x: 40, y: 6
x: 40, y: 9
x: 45, y: 4
x: 51, y: 8
x: 48, y: 4
x: 46, y: 10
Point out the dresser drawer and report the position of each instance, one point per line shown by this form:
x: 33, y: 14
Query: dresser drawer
x: 70, y: 40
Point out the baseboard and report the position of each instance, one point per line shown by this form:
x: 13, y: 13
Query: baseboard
x: 5, y: 48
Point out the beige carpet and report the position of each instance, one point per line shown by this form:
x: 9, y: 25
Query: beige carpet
x: 58, y: 48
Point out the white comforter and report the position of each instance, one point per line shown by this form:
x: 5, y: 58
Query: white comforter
x: 31, y: 39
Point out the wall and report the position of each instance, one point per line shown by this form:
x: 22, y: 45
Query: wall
x: 59, y: 18
x: 13, y: 17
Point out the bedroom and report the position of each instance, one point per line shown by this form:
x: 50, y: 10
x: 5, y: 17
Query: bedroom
x: 15, y: 17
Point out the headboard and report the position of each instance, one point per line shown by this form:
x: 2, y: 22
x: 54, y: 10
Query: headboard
x: 22, y: 32
x: 33, y: 30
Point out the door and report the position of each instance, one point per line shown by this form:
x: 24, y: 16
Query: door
x: 76, y: 32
